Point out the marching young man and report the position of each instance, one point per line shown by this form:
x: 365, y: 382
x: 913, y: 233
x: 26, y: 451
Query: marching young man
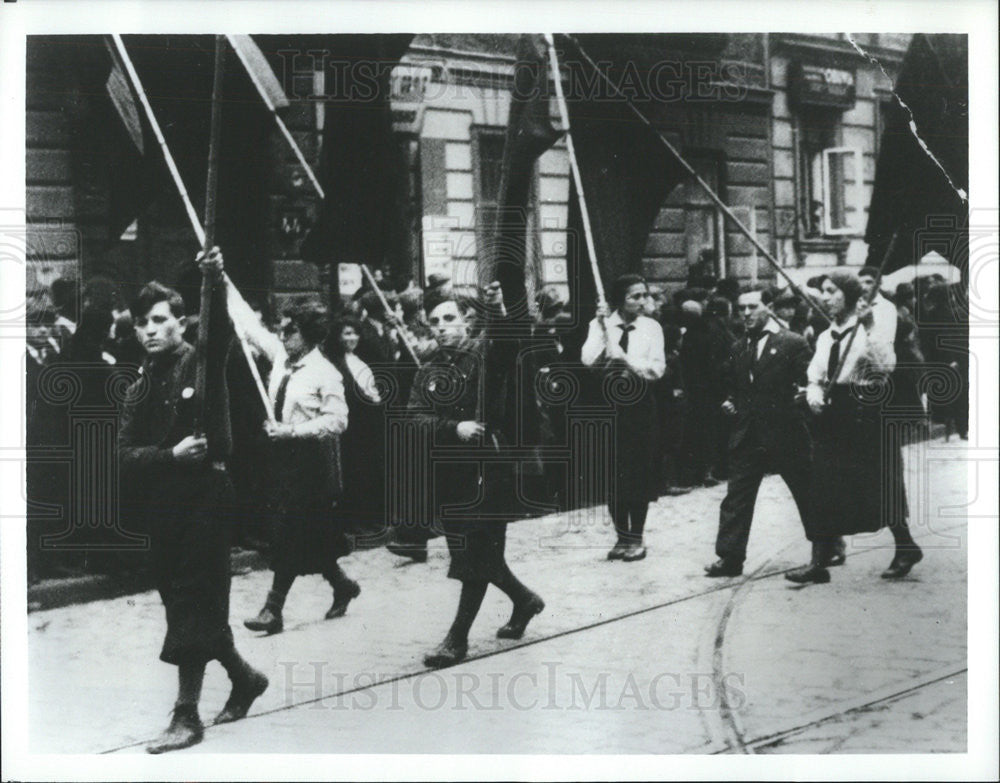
x: 186, y: 496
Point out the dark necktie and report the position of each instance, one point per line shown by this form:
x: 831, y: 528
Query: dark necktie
x: 834, y: 361
x: 623, y: 342
x: 279, y: 399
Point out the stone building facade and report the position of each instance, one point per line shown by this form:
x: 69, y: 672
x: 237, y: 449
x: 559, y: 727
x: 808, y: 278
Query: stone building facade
x: 790, y: 147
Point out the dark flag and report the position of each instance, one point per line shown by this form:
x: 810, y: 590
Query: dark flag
x: 361, y: 168
x: 627, y: 172
x: 530, y: 132
x: 910, y: 186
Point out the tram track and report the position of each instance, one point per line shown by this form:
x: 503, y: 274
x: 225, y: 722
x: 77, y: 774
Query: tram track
x: 732, y: 729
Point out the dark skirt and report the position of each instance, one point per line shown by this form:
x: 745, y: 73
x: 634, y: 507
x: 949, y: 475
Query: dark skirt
x: 857, y: 484
x: 309, y: 534
x: 635, y: 432
x: 190, y: 528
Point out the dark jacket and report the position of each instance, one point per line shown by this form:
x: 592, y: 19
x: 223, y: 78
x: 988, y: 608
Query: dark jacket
x: 470, y: 382
x: 159, y: 412
x: 767, y: 403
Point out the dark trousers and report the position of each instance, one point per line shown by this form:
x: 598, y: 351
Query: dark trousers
x: 748, y: 463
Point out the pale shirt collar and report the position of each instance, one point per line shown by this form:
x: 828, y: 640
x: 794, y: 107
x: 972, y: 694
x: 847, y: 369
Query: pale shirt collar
x: 309, y: 357
x: 843, y: 328
x: 771, y: 326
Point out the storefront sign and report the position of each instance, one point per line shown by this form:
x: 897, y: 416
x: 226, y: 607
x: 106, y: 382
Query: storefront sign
x: 817, y: 85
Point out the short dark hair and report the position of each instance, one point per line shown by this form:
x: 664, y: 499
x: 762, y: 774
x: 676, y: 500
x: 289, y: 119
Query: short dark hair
x: 152, y: 294
x: 719, y: 306
x: 849, y: 286
x: 621, y: 286
x: 766, y: 292
x: 869, y: 271
x: 65, y: 296
x: 728, y: 287
x: 464, y: 303
x: 310, y: 319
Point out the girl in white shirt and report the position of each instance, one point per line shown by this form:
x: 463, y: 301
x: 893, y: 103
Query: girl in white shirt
x: 628, y: 346
x: 857, y: 483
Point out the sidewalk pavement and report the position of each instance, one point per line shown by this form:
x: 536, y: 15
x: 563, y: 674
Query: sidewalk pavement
x: 650, y: 683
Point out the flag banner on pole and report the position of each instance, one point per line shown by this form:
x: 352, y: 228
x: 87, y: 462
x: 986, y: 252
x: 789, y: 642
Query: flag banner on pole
x: 530, y: 132
x: 123, y: 99
x: 627, y: 173
x: 361, y: 167
x: 912, y: 182
x: 259, y: 70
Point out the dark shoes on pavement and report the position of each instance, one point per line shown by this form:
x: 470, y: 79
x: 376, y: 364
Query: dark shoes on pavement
x: 244, y: 694
x: 901, y: 564
x: 629, y: 551
x: 633, y: 553
x: 520, y: 617
x: 448, y: 653
x: 343, y: 594
x: 185, y: 730
x: 838, y: 554
x: 724, y: 568
x: 813, y: 572
x: 268, y: 620
x: 416, y: 552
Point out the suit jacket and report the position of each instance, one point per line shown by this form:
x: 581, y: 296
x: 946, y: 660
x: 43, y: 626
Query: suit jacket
x: 765, y: 402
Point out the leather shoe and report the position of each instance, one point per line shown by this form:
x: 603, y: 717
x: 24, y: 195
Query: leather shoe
x: 634, y: 552
x: 617, y: 552
x: 903, y: 562
x: 415, y: 552
x: 185, y: 730
x: 269, y: 621
x: 520, y: 617
x: 838, y: 554
x: 816, y: 574
x: 343, y: 594
x: 448, y: 653
x: 242, y: 696
x: 724, y: 568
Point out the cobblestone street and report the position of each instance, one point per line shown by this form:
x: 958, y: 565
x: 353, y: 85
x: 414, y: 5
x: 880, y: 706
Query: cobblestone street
x: 648, y: 657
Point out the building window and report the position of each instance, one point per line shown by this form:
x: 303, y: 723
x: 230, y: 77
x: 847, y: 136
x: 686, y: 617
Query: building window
x: 488, y: 164
x: 841, y: 195
x: 829, y: 183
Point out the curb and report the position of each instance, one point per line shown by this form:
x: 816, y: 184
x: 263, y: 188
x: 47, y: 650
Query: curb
x: 54, y: 593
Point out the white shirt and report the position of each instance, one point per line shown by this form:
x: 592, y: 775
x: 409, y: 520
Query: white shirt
x: 314, y: 398
x: 886, y: 316
x: 770, y: 327
x: 869, y: 353
x: 645, y: 354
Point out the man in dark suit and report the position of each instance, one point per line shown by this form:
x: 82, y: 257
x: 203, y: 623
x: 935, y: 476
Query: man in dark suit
x: 769, y: 431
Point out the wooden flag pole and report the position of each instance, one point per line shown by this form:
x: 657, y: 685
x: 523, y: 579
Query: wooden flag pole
x: 704, y: 185
x: 575, y: 168
x: 388, y: 311
x: 211, y: 193
x: 199, y: 232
